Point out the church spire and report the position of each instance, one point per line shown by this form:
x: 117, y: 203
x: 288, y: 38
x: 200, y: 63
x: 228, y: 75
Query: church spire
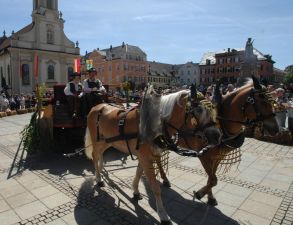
x: 47, y: 4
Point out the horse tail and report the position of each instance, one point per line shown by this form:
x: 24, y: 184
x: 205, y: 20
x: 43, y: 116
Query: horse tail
x: 88, y: 144
x: 90, y: 139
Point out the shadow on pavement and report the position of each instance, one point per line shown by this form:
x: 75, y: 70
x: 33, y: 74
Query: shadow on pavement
x: 112, y: 206
x: 59, y: 165
x: 188, y: 211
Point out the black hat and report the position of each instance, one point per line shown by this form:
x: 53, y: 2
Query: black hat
x: 93, y: 69
x: 75, y: 74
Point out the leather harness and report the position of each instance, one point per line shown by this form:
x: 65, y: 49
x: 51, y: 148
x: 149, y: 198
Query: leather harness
x: 122, y: 135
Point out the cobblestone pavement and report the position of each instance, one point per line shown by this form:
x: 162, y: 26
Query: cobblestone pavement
x: 57, y: 190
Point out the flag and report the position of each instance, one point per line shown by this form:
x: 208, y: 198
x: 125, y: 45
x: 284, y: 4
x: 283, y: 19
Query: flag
x: 77, y: 65
x: 36, y: 66
x: 89, y: 64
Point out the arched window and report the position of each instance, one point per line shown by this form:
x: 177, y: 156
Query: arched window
x: 51, y: 72
x: 69, y: 72
x: 25, y: 71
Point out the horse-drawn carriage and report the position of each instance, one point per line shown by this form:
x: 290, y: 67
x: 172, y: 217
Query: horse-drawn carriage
x: 185, y: 122
x: 68, y: 133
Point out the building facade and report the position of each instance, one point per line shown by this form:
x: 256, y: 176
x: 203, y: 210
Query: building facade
x: 119, y: 64
x: 188, y: 73
x: 38, y: 53
x: 226, y: 64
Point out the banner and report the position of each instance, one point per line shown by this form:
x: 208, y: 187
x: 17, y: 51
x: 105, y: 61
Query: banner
x: 77, y: 65
x: 89, y: 64
x: 36, y: 66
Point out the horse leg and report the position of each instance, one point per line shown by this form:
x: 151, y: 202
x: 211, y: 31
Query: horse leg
x: 166, y: 182
x: 136, y: 193
x: 149, y: 171
x: 99, y: 162
x: 210, y: 167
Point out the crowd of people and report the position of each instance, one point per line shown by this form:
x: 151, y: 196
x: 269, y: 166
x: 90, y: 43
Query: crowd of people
x: 282, y: 96
x: 83, y: 95
x: 16, y: 102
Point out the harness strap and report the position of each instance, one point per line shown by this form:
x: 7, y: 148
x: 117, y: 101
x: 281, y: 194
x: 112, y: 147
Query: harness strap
x: 122, y: 135
x: 119, y: 137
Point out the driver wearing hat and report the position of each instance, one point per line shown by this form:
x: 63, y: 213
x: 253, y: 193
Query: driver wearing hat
x: 93, y: 89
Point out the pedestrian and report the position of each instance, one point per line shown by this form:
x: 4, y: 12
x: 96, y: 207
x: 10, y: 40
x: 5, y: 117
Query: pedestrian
x: 282, y: 105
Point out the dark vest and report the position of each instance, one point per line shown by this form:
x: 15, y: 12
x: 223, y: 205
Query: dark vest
x: 93, y: 84
x: 73, y: 90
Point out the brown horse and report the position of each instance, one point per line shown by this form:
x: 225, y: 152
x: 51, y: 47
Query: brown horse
x: 103, y: 122
x: 249, y: 104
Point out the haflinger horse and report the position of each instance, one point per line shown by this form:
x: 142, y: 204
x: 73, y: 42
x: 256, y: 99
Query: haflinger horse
x: 105, y: 129
x: 248, y: 105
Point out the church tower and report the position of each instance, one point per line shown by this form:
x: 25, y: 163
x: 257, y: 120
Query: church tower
x: 39, y: 52
x: 48, y: 4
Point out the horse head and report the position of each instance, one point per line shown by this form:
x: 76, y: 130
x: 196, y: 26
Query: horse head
x: 202, y: 120
x: 249, y: 104
x: 262, y: 108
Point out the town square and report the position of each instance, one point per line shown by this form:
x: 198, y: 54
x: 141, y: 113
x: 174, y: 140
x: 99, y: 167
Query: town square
x: 183, y: 114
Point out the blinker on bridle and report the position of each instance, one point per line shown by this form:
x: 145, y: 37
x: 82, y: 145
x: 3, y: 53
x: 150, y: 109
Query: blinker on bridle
x: 251, y: 101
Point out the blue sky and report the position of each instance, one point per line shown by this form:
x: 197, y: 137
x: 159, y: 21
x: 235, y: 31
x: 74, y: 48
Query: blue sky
x: 170, y: 31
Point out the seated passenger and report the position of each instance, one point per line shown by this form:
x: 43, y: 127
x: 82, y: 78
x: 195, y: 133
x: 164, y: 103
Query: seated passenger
x: 73, y: 93
x: 93, y: 89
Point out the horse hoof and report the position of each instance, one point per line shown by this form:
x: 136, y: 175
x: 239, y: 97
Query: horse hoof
x: 101, y: 184
x: 198, y: 195
x: 212, y: 202
x: 166, y: 184
x: 166, y: 222
x: 137, y: 196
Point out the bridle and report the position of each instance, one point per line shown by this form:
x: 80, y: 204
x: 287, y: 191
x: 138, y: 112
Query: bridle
x: 183, y: 132
x: 250, y: 101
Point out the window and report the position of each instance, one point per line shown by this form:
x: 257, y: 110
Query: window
x: 25, y: 71
x: 51, y: 72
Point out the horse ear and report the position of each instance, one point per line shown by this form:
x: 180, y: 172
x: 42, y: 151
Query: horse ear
x: 256, y: 83
x: 217, y: 97
x: 193, y: 92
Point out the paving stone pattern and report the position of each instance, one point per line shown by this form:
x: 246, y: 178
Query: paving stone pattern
x: 64, y: 190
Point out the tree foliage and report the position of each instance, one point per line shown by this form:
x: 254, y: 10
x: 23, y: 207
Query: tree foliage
x: 288, y: 78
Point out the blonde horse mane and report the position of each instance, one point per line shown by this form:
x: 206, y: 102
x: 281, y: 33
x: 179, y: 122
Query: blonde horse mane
x: 168, y: 103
